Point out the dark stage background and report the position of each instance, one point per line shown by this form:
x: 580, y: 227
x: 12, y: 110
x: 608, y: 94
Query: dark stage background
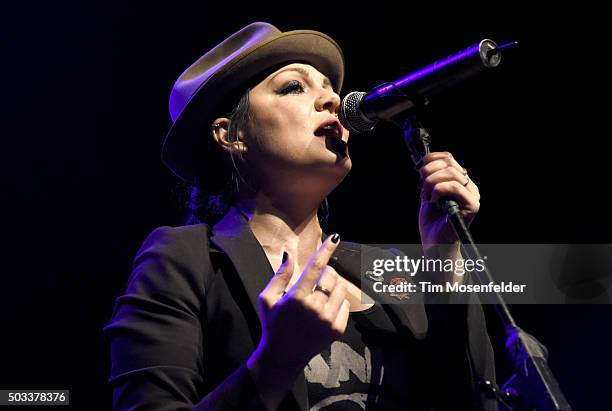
x: 85, y: 90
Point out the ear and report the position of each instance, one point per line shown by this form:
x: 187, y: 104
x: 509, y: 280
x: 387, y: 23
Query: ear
x: 221, y: 136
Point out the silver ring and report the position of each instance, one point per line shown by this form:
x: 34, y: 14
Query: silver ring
x: 324, y: 290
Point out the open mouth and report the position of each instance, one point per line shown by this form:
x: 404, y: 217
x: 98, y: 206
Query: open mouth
x: 329, y: 129
x: 333, y: 130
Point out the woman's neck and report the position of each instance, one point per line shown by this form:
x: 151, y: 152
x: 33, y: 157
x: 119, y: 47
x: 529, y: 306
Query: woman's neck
x: 287, y: 225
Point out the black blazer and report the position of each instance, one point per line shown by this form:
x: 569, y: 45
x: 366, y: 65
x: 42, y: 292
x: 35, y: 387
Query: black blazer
x: 180, y: 336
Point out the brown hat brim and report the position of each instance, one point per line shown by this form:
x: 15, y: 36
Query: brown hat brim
x: 186, y: 145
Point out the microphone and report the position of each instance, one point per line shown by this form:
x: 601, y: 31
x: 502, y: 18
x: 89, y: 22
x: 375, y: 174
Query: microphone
x: 360, y: 111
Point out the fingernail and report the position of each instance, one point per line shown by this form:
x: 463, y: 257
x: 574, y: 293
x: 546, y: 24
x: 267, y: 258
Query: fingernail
x: 335, y: 238
x: 285, y: 256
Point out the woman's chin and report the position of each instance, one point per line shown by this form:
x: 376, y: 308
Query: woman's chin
x: 339, y: 165
x: 336, y: 160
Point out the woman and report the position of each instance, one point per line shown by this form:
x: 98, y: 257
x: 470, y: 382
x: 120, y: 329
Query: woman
x: 254, y: 307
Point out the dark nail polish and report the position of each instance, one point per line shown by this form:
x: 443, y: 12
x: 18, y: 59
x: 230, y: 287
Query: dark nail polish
x: 285, y: 256
x: 335, y: 238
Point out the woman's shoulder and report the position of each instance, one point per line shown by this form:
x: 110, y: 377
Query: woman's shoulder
x: 183, y: 248
x: 173, y: 264
x: 186, y: 238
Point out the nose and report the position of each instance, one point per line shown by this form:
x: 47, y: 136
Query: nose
x: 328, y: 100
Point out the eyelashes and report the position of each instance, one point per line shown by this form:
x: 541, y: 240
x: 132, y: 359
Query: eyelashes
x: 291, y: 87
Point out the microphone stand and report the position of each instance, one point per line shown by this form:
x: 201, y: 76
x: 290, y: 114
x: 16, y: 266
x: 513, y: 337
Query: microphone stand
x: 533, y: 386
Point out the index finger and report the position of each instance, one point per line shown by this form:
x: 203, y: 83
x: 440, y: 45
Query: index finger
x: 438, y: 155
x: 317, y: 264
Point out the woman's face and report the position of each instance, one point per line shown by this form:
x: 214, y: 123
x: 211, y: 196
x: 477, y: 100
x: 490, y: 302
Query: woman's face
x: 294, y: 119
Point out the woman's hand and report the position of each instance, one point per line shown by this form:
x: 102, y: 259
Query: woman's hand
x: 443, y: 176
x: 297, y: 325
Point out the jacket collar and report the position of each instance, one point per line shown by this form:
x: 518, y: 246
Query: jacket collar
x: 233, y: 235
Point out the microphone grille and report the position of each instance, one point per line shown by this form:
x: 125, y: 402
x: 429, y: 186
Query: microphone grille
x: 350, y: 115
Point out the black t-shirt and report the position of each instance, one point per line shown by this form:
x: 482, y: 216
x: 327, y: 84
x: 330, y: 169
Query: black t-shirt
x: 367, y: 369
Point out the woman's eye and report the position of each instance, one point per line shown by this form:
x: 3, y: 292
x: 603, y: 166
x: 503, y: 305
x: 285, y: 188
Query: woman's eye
x: 292, y: 87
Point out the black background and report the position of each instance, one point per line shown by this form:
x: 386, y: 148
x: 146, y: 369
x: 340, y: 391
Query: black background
x: 85, y: 90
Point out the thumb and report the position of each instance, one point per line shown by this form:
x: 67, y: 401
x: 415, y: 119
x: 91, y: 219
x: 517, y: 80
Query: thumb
x: 283, y: 275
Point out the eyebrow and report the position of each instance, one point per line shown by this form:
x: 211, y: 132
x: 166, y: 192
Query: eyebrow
x: 305, y: 73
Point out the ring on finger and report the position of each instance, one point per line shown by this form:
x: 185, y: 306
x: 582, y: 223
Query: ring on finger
x: 324, y: 290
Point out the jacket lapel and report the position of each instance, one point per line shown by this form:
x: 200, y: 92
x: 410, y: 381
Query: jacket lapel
x: 233, y: 235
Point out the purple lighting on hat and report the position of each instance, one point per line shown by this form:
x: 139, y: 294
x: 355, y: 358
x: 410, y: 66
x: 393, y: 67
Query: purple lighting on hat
x: 210, y: 63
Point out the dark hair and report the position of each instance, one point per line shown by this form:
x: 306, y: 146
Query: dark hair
x: 211, y: 198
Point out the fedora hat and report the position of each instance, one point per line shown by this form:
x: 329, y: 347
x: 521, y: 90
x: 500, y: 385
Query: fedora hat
x: 213, y: 84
